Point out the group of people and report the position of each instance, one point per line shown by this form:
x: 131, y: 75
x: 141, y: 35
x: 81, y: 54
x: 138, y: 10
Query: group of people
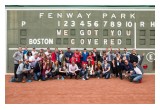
x: 57, y: 64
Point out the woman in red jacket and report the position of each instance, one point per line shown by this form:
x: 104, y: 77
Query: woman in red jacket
x: 90, y: 58
x: 77, y: 57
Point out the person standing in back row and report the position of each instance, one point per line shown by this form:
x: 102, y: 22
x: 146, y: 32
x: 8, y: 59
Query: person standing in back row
x: 18, y: 56
x: 68, y: 54
x: 84, y: 56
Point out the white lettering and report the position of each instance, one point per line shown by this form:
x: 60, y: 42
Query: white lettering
x: 72, y: 41
x: 112, y: 41
x: 82, y: 41
x: 79, y: 15
x: 119, y: 41
x: 152, y: 24
x: 23, y: 23
x: 105, y: 41
x: 82, y: 32
x: 105, y: 15
x: 142, y: 24
x: 132, y: 16
x: 59, y: 15
x: 119, y: 32
x: 69, y: 15
x: 89, y: 32
x: 65, y: 32
x: 40, y: 15
x: 89, y: 41
x: 96, y: 41
x: 50, y: 15
x: 40, y: 41
x: 96, y: 32
x: 59, y: 32
x: 113, y: 16
x: 129, y: 24
x: 123, y: 15
x: 112, y: 32
x: 88, y: 15
x: 128, y: 32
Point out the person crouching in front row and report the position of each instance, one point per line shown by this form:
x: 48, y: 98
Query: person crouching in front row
x: 38, y: 70
x: 24, y: 70
x: 138, y: 71
x: 84, y: 72
x: 63, y: 70
x: 73, y: 70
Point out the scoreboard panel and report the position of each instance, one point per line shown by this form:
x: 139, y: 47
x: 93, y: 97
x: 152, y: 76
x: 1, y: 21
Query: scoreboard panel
x: 82, y: 27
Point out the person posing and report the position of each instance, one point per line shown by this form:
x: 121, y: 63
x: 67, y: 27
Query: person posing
x: 84, y: 72
x: 77, y: 56
x: 128, y: 67
x: 38, y: 70
x: 41, y: 53
x: 63, y: 70
x: 118, y: 67
x: 60, y: 58
x: 133, y: 56
x: 84, y: 56
x: 96, y: 55
x: 46, y: 69
x: 24, y: 70
x: 97, y: 69
x: 48, y: 52
x: 34, y: 51
x: 103, y: 57
x: 33, y: 60
x: 68, y: 54
x: 73, y: 70
x: 90, y: 58
x: 54, y: 55
x: 106, y: 70
x: 55, y: 70
x: 28, y: 55
x: 17, y: 56
x: 91, y: 72
x: 137, y: 74
x: 126, y: 54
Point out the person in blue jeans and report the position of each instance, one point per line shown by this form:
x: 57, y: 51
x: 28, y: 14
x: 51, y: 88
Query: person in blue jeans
x: 24, y: 70
x: 138, y: 71
x: 37, y: 70
x: 106, y: 70
x: 84, y: 72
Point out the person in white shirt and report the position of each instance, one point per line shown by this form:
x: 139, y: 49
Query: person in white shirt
x: 73, y: 70
x: 34, y: 51
x: 33, y: 60
x: 48, y: 53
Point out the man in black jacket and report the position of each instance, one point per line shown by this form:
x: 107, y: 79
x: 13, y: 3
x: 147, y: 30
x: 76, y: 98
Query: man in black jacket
x: 38, y: 69
x: 133, y: 56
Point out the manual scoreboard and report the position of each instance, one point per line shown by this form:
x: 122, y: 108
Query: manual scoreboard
x: 81, y: 27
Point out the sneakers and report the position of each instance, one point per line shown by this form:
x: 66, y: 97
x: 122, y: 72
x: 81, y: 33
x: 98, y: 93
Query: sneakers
x: 29, y: 80
x: 83, y: 79
x: 98, y: 77
x: 140, y: 81
x: 57, y: 78
x: 23, y: 81
x: 62, y: 78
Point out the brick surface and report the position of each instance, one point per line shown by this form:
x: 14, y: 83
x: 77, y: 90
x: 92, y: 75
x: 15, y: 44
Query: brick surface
x: 72, y: 91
